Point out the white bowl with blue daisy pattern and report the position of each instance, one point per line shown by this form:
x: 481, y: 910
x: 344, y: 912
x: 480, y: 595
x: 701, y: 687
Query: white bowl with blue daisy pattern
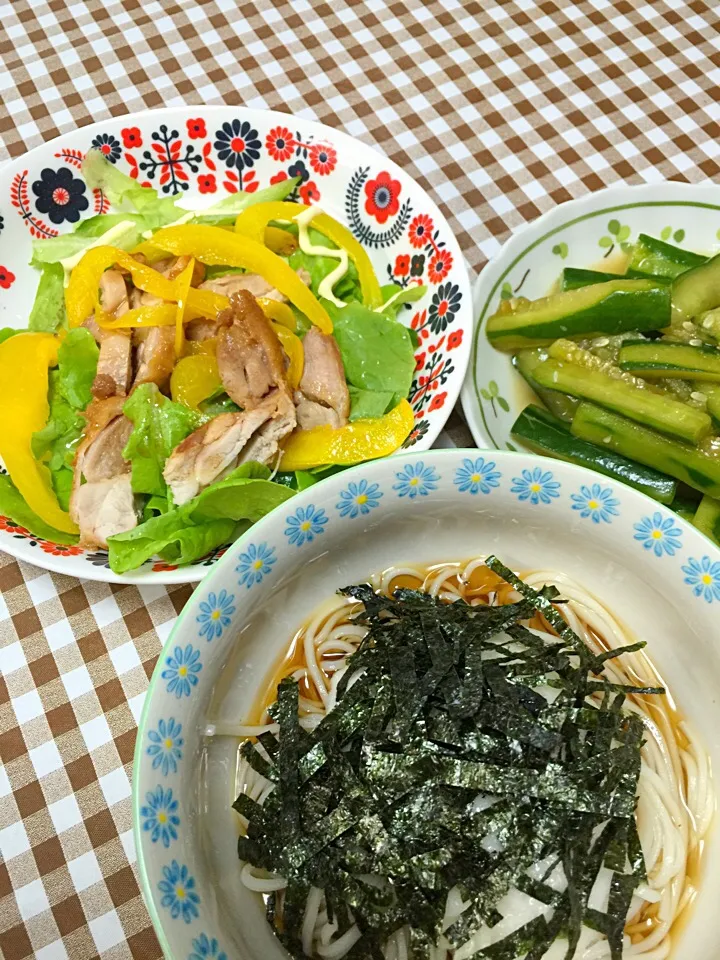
x: 659, y: 575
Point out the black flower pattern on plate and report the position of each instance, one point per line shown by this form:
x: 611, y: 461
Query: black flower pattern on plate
x: 107, y: 145
x: 60, y: 195
x: 237, y: 144
x: 99, y: 559
x: 298, y: 169
x: 443, y: 307
x: 417, y: 265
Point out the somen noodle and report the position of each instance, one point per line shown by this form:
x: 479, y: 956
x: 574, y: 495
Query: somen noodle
x: 674, y: 794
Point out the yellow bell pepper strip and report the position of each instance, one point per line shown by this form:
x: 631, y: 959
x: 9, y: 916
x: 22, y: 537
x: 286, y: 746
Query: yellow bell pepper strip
x: 24, y: 362
x: 217, y: 247
x: 194, y: 379
x: 292, y: 345
x: 252, y: 223
x: 353, y: 443
x: 161, y: 315
x: 280, y: 241
x: 340, y: 235
x: 81, y: 295
x: 204, y: 303
x: 183, y: 281
x: 281, y: 312
x: 201, y: 348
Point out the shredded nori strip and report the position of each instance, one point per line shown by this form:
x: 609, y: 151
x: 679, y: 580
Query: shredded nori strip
x: 446, y: 709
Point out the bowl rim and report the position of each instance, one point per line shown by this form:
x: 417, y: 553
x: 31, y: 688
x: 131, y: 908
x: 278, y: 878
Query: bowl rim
x: 194, y: 573
x: 621, y: 196
x: 311, y: 493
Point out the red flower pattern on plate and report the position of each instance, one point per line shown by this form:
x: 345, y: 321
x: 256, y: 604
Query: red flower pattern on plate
x: 196, y: 129
x: 163, y: 567
x: 437, y: 401
x: 131, y: 137
x: 382, y: 197
x: 61, y: 549
x: 6, y: 278
x: 420, y: 230
x: 440, y: 266
x: 206, y: 183
x: 280, y: 144
x: 455, y: 339
x: 11, y: 527
x: 402, y: 265
x: 309, y: 193
x: 323, y: 159
x: 279, y: 177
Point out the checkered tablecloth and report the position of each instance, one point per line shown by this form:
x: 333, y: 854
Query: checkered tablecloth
x: 499, y: 109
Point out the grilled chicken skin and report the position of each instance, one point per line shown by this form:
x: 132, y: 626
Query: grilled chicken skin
x: 102, y: 502
x: 251, y: 364
x: 322, y: 397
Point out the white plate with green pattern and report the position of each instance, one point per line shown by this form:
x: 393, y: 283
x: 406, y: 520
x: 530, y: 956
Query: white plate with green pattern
x: 594, y: 232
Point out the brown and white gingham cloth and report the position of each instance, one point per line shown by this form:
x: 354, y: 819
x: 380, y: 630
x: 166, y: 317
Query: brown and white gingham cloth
x: 500, y: 108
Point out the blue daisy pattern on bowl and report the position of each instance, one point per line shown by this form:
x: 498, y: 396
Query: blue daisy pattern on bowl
x: 659, y: 534
x: 255, y: 563
x: 596, y: 502
x: 416, y: 480
x: 359, y: 499
x: 703, y: 576
x: 166, y: 745
x: 477, y: 476
x: 215, y: 614
x: 206, y: 948
x: 305, y: 524
x: 178, y: 892
x: 159, y: 815
x: 536, y: 485
x: 183, y: 667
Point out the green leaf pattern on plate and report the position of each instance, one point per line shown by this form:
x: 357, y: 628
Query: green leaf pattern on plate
x: 617, y: 234
x: 677, y: 236
x: 491, y: 393
x: 560, y: 250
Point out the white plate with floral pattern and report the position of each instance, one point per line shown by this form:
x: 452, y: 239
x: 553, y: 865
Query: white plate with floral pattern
x: 204, y: 153
x: 658, y: 574
x: 595, y: 231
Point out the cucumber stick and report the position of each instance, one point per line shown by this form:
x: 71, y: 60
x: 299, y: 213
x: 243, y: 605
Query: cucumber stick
x: 655, y: 410
x: 558, y: 403
x: 617, y: 306
x: 707, y: 518
x: 655, y: 258
x: 664, y: 358
x: 574, y: 277
x: 611, y: 432
x: 696, y: 291
x: 542, y: 433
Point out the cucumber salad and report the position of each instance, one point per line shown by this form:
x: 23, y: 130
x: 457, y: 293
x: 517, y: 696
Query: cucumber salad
x: 626, y: 367
x: 185, y: 372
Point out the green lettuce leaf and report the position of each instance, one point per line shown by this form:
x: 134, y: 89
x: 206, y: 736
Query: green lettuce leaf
x: 8, y: 332
x: 229, y: 207
x: 77, y: 366
x: 12, y: 505
x: 377, y: 352
x: 68, y: 395
x: 214, y: 517
x: 159, y: 426
x: 347, y: 288
x: 124, y: 193
x: 368, y: 404
x: 48, y: 310
x: 59, y: 249
x: 404, y: 295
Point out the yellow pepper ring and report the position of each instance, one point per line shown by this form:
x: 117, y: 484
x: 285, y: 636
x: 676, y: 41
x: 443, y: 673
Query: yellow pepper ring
x: 353, y: 443
x: 281, y: 312
x: 194, y: 379
x: 25, y: 360
x: 217, y: 247
x: 292, y: 345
